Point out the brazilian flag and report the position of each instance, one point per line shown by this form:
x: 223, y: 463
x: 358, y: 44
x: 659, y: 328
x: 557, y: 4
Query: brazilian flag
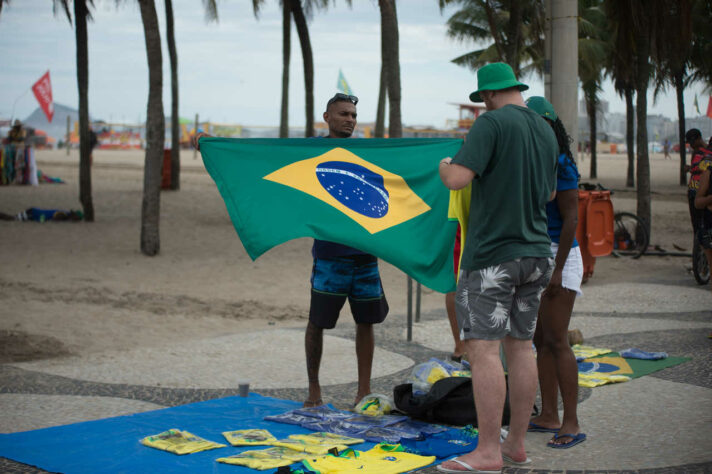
x: 381, y: 196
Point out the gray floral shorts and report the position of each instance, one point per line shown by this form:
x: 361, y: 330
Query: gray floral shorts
x: 503, y: 299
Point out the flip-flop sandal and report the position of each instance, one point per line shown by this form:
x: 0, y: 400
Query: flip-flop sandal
x: 511, y: 461
x: 313, y: 403
x: 575, y: 439
x: 467, y: 467
x: 534, y: 428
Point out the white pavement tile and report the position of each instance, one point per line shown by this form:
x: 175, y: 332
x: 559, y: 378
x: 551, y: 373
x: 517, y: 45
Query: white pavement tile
x: 24, y: 412
x: 436, y: 334
x: 265, y: 359
x: 641, y: 424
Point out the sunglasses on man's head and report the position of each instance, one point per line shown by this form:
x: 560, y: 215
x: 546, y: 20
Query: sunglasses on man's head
x: 342, y: 97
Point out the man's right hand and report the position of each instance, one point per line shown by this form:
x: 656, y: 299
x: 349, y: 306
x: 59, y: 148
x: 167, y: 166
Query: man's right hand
x: 197, y: 137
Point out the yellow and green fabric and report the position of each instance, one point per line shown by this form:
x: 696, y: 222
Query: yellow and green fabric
x: 381, y: 459
x: 381, y: 196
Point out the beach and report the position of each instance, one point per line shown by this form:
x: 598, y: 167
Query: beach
x: 81, y: 305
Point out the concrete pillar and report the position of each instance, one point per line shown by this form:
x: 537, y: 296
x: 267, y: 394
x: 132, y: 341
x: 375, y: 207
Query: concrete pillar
x: 564, y: 65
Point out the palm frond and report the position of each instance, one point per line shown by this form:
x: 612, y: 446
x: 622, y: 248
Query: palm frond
x: 211, y: 10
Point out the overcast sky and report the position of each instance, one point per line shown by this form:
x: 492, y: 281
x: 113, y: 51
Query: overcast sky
x: 231, y: 71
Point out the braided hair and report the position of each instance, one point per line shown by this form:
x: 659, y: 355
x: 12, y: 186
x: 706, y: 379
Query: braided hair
x: 562, y: 138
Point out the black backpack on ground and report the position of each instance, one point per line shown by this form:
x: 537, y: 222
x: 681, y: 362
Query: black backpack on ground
x: 449, y: 401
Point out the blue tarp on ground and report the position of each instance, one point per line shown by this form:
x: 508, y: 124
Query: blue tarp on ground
x: 112, y: 444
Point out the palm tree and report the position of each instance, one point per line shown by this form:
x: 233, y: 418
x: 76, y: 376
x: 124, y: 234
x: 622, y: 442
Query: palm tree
x: 592, y: 55
x: 175, y: 126
x: 621, y: 67
x: 308, y: 59
x: 701, y: 54
x: 379, y: 127
x: 516, y: 28
x: 81, y: 15
x: 646, y: 15
x: 286, y: 52
x: 672, y: 57
x: 155, y: 132
x: 211, y: 14
x: 390, y: 62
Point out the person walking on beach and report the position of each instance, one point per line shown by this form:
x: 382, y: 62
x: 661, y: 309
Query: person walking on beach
x: 340, y: 273
x: 555, y: 359
x: 510, y: 158
x: 666, y: 149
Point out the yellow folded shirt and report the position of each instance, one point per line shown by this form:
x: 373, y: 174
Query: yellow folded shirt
x: 323, y: 437
x: 179, y: 442
x: 262, y: 459
x: 309, y: 447
x: 249, y: 437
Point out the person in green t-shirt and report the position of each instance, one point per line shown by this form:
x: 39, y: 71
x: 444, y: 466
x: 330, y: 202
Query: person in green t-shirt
x: 509, y: 156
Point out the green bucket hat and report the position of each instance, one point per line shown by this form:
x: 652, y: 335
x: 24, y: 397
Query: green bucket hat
x: 542, y: 106
x: 495, y: 77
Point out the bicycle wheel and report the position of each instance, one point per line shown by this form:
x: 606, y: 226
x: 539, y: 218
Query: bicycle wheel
x: 700, y: 266
x: 630, y: 237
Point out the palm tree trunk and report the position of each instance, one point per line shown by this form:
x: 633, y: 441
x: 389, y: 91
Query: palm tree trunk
x: 514, y: 33
x: 379, y: 131
x: 308, y: 59
x: 679, y: 87
x: 155, y: 132
x: 391, y: 62
x: 630, y: 135
x: 286, y: 47
x: 175, y: 119
x: 85, y: 194
x: 642, y: 76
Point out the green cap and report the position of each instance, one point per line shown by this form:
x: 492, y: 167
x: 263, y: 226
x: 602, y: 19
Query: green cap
x: 495, y: 77
x: 542, y: 106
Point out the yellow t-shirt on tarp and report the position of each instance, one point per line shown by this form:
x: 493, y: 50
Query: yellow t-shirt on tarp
x: 270, y: 458
x: 313, y: 446
x: 179, y: 442
x: 322, y: 437
x: 253, y: 437
x: 381, y: 459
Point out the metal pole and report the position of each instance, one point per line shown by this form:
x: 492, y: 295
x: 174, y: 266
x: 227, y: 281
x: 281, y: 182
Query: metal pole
x: 69, y: 133
x: 195, y: 130
x: 564, y: 64
x: 410, y: 310
x: 417, y: 302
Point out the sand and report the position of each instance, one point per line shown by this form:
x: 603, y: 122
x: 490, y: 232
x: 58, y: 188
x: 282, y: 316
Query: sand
x: 88, y: 287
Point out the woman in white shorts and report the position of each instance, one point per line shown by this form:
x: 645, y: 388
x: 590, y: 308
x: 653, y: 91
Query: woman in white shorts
x: 555, y: 359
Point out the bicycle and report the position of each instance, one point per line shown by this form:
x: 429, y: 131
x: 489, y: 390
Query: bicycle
x: 630, y: 236
x: 700, y: 266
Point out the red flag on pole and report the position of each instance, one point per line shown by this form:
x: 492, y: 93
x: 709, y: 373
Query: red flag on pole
x: 43, y: 93
x: 709, y: 107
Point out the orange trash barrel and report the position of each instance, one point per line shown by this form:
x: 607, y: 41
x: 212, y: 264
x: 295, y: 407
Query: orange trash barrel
x: 166, y: 171
x: 594, y: 231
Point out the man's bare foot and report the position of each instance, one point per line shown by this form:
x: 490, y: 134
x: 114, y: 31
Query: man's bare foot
x: 544, y: 422
x: 513, y: 455
x: 473, y: 461
x: 313, y: 403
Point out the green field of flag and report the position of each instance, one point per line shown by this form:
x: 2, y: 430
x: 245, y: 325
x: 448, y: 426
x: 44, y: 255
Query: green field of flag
x: 382, y: 196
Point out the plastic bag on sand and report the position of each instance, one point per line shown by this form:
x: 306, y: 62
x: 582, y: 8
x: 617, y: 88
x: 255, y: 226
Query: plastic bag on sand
x: 375, y: 404
x: 424, y: 375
